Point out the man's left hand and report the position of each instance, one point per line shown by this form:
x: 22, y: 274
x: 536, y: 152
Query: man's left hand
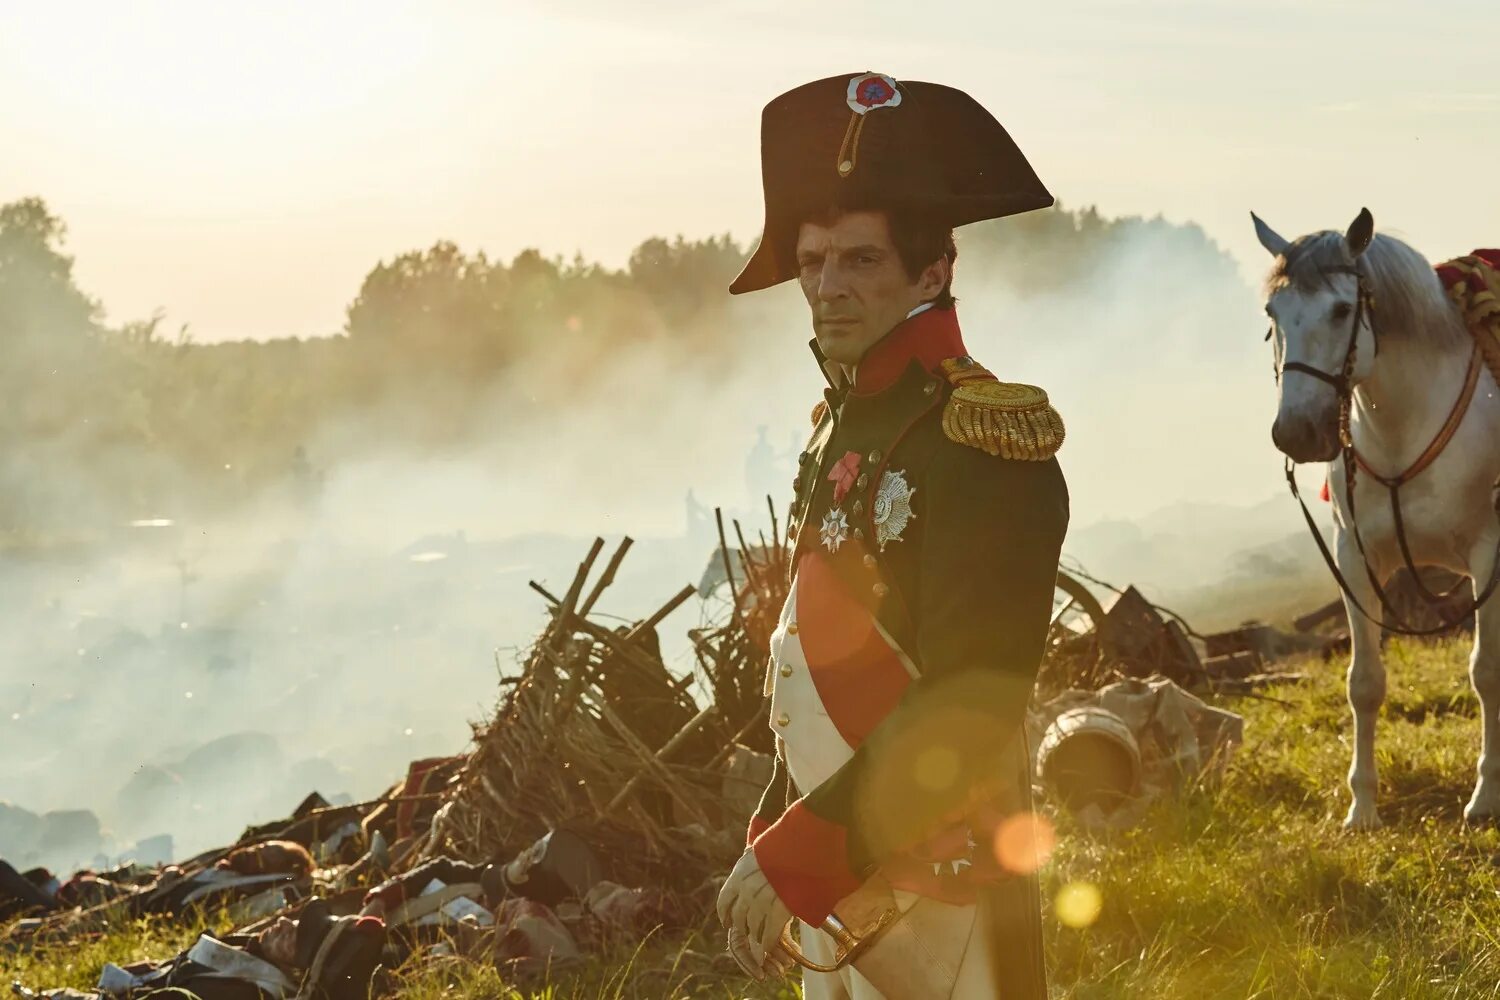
x: 748, y: 905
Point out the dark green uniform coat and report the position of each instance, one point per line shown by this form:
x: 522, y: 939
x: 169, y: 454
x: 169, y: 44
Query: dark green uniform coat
x: 922, y: 645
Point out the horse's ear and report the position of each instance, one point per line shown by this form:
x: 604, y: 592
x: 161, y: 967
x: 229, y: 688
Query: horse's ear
x: 1269, y: 238
x: 1361, y: 232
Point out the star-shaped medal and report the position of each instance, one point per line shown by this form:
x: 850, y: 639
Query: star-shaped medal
x: 835, y: 530
x: 891, y: 510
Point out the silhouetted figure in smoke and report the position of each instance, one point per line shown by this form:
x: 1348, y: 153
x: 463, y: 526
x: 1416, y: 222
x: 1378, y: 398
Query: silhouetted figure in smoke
x: 761, y: 478
x: 700, y: 520
x: 306, y: 481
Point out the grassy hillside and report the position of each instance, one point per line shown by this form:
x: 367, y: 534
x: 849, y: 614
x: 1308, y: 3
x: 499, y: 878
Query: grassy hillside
x: 1251, y: 889
x: 1246, y: 889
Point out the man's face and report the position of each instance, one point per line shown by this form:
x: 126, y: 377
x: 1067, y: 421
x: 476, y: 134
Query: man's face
x: 856, y: 284
x: 278, y: 943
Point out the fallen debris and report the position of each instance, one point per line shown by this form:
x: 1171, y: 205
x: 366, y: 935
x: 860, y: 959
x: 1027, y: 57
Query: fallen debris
x: 602, y: 799
x: 1106, y: 755
x: 607, y: 795
x: 581, y: 742
x: 1141, y: 642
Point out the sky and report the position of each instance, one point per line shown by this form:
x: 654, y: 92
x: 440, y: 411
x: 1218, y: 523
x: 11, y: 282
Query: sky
x: 242, y: 167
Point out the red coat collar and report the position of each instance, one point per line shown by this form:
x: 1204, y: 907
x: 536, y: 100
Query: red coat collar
x: 928, y: 338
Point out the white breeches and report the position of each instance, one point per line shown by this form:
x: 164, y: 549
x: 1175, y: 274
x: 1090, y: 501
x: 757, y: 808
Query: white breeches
x: 932, y: 920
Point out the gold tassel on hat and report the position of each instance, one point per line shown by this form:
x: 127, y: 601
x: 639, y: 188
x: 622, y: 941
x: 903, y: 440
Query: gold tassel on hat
x: 1005, y: 419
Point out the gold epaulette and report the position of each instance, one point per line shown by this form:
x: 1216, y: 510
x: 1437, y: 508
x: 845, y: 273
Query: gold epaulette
x: 1006, y: 419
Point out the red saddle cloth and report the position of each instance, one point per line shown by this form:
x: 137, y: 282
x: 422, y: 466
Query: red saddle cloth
x: 1473, y: 282
x: 1456, y: 270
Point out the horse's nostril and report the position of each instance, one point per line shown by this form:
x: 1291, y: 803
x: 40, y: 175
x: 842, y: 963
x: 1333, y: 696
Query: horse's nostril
x: 1278, y: 436
x: 1299, y: 441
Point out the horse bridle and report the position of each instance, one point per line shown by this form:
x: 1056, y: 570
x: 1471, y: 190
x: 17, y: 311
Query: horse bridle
x: 1343, y: 384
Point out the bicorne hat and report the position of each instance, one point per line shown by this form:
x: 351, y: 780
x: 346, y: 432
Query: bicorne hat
x: 865, y: 141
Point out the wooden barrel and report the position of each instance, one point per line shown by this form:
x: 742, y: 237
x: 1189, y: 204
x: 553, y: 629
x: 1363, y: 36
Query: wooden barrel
x: 1088, y: 756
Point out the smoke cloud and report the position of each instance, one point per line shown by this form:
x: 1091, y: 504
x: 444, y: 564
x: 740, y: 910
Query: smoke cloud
x: 191, y: 667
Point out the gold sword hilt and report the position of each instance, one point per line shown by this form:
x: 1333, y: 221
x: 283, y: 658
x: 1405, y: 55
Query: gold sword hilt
x: 848, y: 946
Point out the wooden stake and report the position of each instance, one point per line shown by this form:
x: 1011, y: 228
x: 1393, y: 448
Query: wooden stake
x: 690, y: 727
x: 609, y: 575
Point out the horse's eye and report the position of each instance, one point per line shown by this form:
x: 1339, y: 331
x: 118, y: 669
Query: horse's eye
x: 1342, y: 311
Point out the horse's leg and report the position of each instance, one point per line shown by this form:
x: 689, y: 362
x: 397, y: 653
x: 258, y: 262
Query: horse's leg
x: 1484, y: 672
x: 1366, y: 687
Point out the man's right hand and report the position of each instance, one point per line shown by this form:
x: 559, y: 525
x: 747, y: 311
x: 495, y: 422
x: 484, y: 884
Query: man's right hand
x: 776, y: 961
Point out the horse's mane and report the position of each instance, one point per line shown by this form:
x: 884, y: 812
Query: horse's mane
x: 1410, y: 303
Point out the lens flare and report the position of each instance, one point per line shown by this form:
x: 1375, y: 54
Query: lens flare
x: 1024, y: 842
x: 936, y: 768
x: 1078, y: 904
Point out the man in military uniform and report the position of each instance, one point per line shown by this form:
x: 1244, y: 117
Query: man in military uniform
x: 927, y: 523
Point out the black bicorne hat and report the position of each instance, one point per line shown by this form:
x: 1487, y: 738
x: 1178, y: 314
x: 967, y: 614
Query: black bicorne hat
x: 867, y: 141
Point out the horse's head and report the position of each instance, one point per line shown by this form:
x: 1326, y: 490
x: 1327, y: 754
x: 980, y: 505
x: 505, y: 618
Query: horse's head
x: 1313, y: 300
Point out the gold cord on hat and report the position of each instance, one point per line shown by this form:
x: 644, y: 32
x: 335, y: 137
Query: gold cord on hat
x: 849, y: 148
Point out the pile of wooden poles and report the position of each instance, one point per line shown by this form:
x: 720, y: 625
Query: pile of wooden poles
x: 598, y: 736
x: 733, y: 655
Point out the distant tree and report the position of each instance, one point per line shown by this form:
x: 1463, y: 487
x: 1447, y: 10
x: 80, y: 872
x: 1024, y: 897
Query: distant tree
x: 684, y: 278
x: 434, y: 307
x: 40, y: 306
x: 1040, y: 253
x: 533, y: 285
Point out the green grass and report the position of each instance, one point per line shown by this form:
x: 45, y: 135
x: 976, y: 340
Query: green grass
x: 1245, y: 888
x: 692, y: 967
x: 1252, y: 889
x: 76, y: 960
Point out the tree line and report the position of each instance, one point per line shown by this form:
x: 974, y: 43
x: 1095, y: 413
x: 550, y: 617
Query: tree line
x: 103, y: 422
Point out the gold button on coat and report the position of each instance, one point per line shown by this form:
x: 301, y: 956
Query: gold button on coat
x: 869, y: 561
x: 783, y: 719
x: 880, y: 589
x: 862, y: 481
x: 786, y: 671
x: 859, y: 508
x: 791, y: 628
x: 874, y: 457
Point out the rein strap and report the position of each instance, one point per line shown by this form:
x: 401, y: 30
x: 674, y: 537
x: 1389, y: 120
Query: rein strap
x: 1444, y: 435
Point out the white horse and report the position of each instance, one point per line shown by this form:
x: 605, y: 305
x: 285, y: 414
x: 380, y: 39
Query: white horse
x: 1405, y: 387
